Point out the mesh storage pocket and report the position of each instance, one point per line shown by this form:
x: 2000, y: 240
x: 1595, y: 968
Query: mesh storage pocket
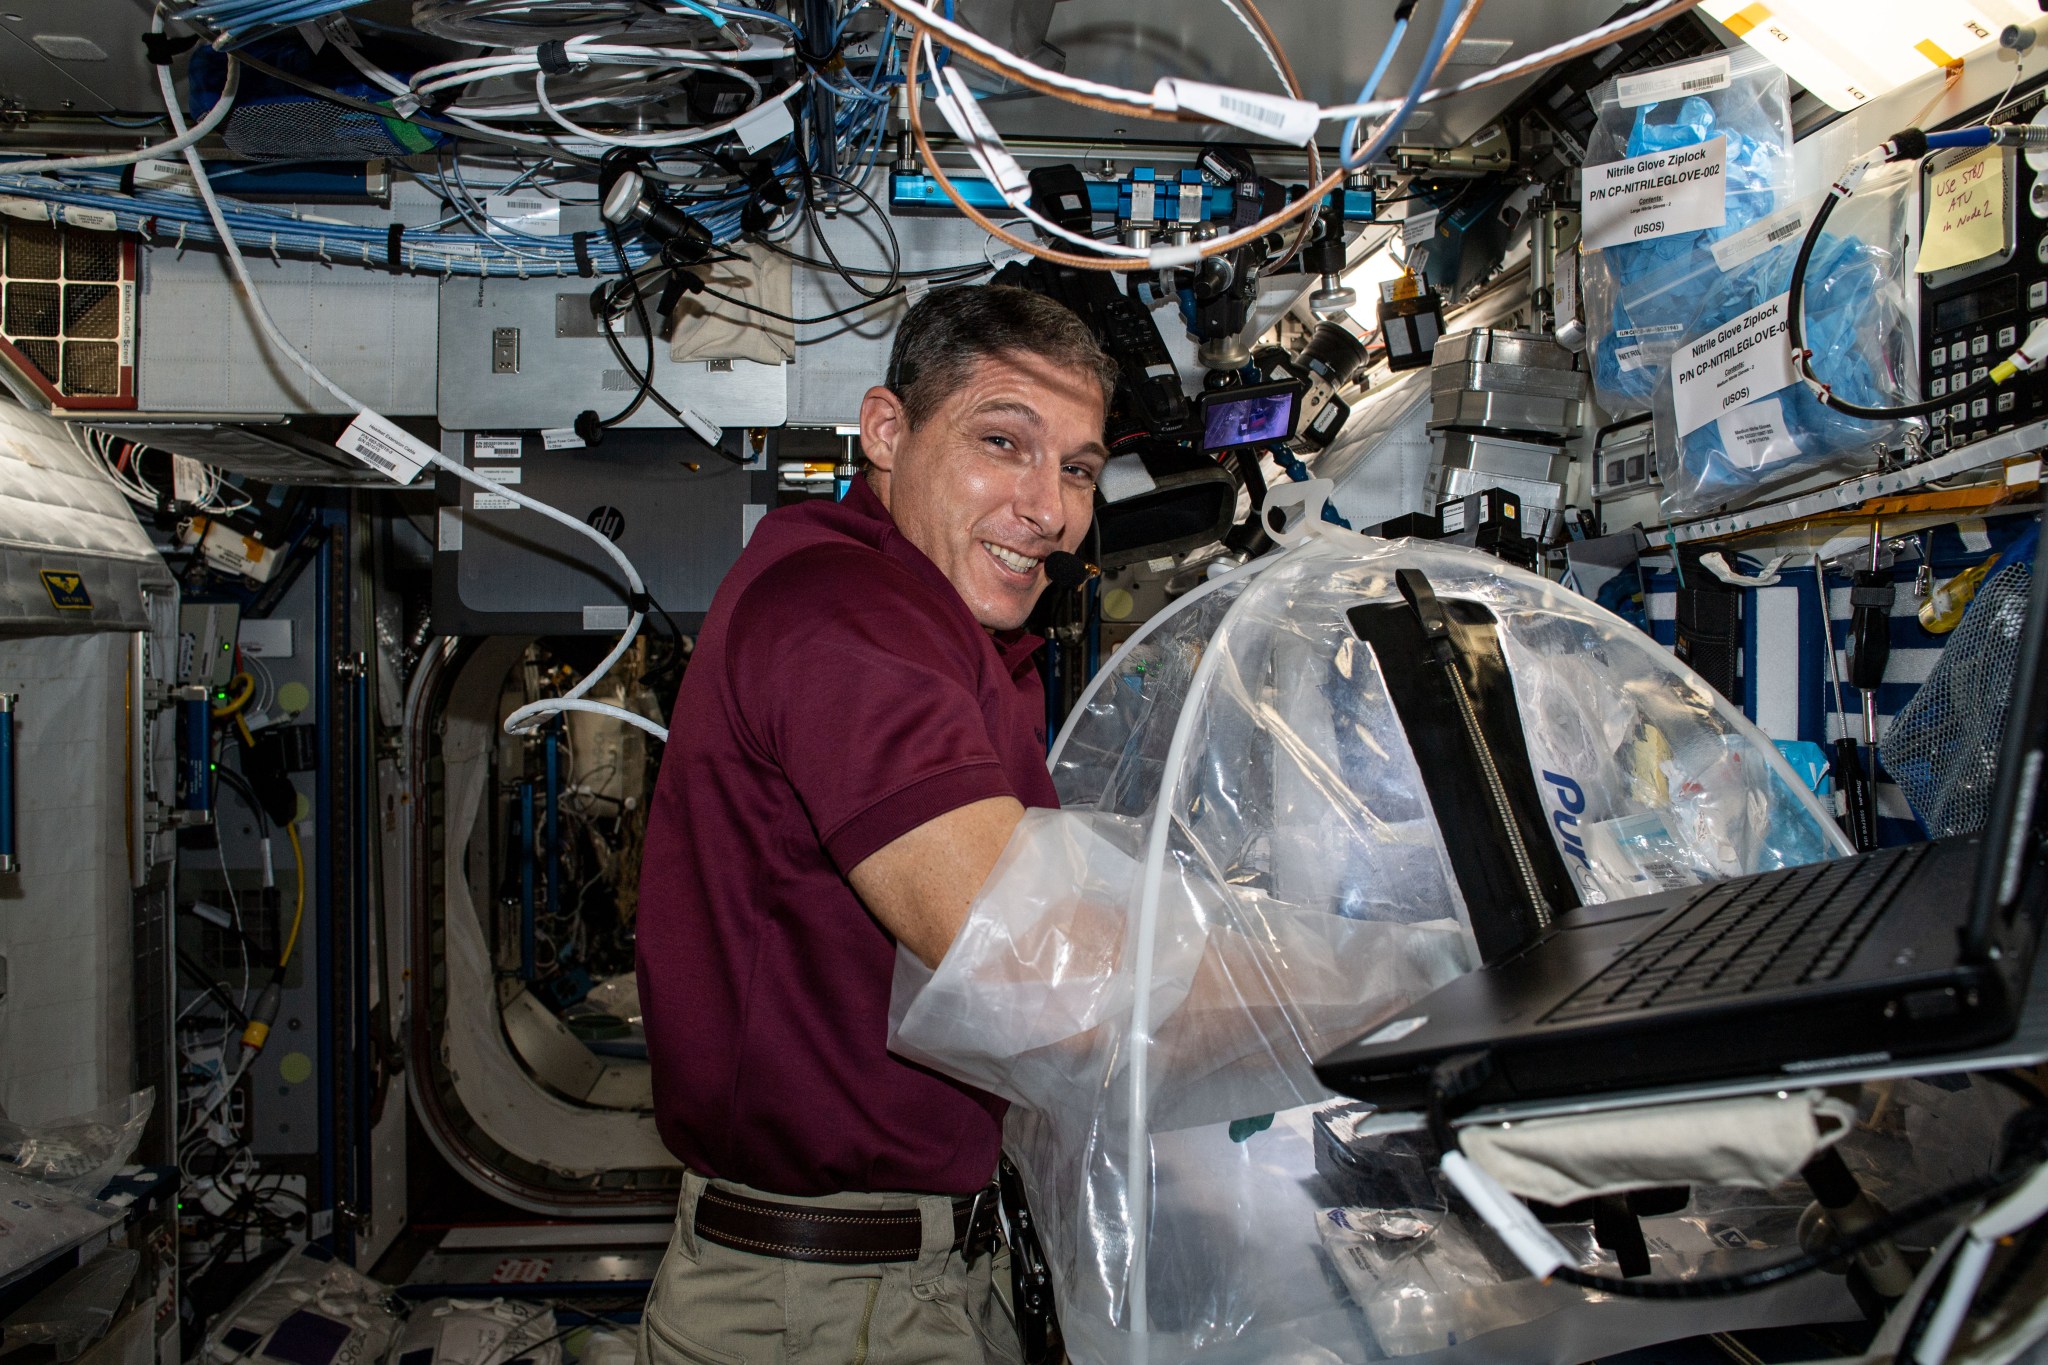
x: 1942, y: 749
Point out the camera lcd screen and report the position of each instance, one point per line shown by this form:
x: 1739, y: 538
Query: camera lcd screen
x: 1236, y: 418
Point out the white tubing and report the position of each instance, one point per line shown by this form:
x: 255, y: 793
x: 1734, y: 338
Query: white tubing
x: 214, y: 117
x: 526, y: 716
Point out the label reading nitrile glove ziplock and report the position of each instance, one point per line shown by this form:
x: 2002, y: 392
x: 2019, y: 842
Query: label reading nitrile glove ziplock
x: 1655, y: 195
x: 1739, y: 362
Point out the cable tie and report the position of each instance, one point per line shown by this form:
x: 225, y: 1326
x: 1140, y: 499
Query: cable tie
x: 181, y: 243
x: 163, y: 49
x: 553, y: 58
x: 639, y: 603
x: 581, y: 242
x: 393, y: 260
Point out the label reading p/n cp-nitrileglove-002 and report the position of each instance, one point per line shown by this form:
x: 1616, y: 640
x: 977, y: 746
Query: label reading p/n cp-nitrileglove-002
x: 1655, y: 195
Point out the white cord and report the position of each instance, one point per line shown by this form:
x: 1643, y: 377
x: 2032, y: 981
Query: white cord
x: 675, y: 139
x: 531, y: 715
x: 198, y: 132
x: 956, y: 35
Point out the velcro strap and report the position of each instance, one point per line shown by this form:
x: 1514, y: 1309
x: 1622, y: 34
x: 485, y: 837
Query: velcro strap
x: 393, y: 260
x: 1874, y: 596
x: 553, y: 58
x: 580, y: 242
x: 163, y: 49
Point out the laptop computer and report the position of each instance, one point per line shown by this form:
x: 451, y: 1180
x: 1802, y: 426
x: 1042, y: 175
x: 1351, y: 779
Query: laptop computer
x: 1895, y: 954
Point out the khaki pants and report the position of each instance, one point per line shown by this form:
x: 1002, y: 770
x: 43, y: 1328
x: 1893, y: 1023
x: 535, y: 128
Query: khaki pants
x: 711, y: 1305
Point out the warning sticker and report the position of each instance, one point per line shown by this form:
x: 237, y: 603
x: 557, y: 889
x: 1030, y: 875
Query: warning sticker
x: 1655, y: 195
x: 1738, y: 362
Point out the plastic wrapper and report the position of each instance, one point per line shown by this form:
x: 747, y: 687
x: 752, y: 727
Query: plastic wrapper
x: 77, y: 1310
x: 81, y: 1152
x: 1640, y: 297
x: 37, y: 1221
x: 1859, y: 304
x: 308, y: 1309
x: 1247, y: 874
x: 478, y: 1332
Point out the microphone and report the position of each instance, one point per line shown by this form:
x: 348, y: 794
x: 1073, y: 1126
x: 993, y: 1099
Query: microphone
x: 1064, y: 570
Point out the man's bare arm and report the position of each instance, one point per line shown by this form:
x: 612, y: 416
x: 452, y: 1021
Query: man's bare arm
x: 920, y: 884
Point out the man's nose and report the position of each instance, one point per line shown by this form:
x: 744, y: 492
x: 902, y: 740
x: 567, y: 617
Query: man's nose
x: 1039, y: 499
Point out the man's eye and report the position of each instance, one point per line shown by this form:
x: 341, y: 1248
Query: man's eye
x: 1001, y: 442
x: 1079, y: 473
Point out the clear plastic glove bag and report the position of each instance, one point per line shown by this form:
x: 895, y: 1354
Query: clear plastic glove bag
x: 82, y: 1151
x: 1246, y: 875
x: 1642, y: 296
x: 1770, y: 431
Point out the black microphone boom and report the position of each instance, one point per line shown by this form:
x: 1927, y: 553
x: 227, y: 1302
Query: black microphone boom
x: 1064, y: 570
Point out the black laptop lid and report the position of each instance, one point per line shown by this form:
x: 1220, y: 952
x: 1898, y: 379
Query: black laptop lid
x: 2014, y: 834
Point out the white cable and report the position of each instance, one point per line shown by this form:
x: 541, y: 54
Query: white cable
x: 530, y: 715
x: 198, y: 132
x: 675, y: 139
x: 227, y: 1088
x: 2008, y: 1216
x: 1509, y: 70
x: 958, y: 36
x: 1272, y: 57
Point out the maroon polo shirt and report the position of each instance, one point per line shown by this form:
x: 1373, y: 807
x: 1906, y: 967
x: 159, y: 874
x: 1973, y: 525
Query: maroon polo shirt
x: 841, y: 694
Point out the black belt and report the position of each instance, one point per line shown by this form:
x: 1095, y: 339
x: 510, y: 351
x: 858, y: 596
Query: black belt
x: 808, y: 1232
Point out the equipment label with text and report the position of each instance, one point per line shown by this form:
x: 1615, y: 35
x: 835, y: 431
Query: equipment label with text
x: 1655, y: 195
x: 1738, y: 362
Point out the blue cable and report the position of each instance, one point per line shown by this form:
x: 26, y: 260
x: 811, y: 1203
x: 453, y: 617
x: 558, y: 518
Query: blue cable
x: 1353, y: 156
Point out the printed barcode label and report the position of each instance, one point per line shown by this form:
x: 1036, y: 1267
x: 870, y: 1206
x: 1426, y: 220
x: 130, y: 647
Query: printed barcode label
x: 1737, y: 248
x: 1282, y: 119
x: 486, y: 447
x: 1662, y: 329
x: 1690, y: 78
x: 96, y: 220
x: 535, y: 215
x: 188, y: 479
x: 386, y: 448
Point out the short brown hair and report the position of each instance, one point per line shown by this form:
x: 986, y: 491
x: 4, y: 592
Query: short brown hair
x: 949, y: 329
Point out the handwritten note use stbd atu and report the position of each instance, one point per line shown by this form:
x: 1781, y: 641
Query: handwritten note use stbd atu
x: 1965, y: 212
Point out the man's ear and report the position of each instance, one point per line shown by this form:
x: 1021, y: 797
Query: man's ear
x: 883, y: 426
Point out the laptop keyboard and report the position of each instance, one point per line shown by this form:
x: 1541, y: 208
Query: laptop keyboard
x: 1755, y: 934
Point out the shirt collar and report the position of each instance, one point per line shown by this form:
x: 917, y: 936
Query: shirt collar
x: 1013, y: 647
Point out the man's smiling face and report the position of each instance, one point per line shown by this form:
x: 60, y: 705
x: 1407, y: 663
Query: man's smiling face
x: 998, y: 476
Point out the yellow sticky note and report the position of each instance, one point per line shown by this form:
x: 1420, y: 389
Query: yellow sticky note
x: 1965, y: 212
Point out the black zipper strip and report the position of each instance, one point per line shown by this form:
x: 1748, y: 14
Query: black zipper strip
x: 1452, y: 690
